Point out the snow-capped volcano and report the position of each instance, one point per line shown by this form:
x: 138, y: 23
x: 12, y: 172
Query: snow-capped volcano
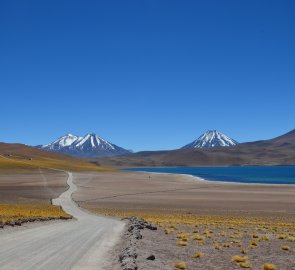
x: 211, y: 138
x: 90, y: 145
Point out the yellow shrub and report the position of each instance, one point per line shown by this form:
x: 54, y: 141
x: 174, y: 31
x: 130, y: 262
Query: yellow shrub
x: 282, y: 236
x: 198, y: 237
x: 201, y: 242
x: 239, y: 259
x: 180, y: 265
x: 183, y: 236
x: 245, y: 265
x: 255, y: 235
x: 269, y: 266
x: 291, y: 239
x: 253, y: 243
x: 198, y: 255
x: 264, y: 238
x: 182, y: 243
x: 236, y: 241
x: 287, y: 248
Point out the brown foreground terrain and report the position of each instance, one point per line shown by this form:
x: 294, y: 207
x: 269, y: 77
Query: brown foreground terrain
x: 29, y: 179
x: 201, y: 225
x: 26, y: 197
x: 41, y: 185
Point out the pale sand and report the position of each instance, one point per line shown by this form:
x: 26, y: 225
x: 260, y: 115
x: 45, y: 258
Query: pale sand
x: 131, y: 191
x: 162, y: 192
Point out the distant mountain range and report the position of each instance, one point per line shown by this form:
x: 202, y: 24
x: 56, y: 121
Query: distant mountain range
x: 211, y: 149
x: 89, y: 146
x: 211, y: 138
x: 93, y: 146
x: 277, y: 151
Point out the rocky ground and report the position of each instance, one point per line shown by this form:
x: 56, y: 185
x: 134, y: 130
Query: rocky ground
x: 20, y: 222
x: 129, y: 255
x: 205, y: 246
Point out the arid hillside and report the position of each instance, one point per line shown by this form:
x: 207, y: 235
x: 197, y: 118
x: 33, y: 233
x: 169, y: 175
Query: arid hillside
x: 277, y: 151
x: 21, y: 158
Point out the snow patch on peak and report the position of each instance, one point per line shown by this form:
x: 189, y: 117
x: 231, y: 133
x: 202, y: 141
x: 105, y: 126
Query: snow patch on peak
x: 211, y: 138
x: 61, y: 142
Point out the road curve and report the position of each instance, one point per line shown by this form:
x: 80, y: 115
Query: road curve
x: 80, y: 244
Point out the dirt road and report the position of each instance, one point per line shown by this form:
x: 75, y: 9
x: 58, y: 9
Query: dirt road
x: 78, y: 244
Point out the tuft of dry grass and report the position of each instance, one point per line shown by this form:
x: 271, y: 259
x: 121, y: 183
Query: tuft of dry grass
x: 198, y: 255
x: 182, y: 243
x: 180, y: 265
x: 198, y: 237
x: 254, y: 243
x: 227, y: 245
x: 282, y: 236
x: 183, y: 236
x: 286, y: 248
x: 264, y: 238
x: 269, y: 266
x: 245, y: 265
x: 291, y: 239
x: 239, y: 259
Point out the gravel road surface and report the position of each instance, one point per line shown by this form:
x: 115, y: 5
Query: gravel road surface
x: 82, y: 243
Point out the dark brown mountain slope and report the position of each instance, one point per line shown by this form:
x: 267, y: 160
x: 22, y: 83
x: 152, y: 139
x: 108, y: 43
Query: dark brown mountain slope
x: 19, y: 157
x: 277, y: 151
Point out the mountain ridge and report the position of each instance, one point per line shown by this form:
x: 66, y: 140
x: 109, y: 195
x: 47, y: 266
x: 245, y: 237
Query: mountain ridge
x: 210, y: 139
x: 17, y: 157
x: 279, y: 151
x: 91, y: 145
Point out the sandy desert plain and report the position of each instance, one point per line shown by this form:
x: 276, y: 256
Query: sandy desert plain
x: 201, y: 225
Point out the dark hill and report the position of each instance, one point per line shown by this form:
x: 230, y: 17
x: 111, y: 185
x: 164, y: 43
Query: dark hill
x: 14, y: 157
x: 277, y: 151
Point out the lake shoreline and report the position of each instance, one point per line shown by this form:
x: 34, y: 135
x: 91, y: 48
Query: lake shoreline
x: 227, y: 178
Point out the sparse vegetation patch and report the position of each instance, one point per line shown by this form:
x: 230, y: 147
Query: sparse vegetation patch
x: 15, y: 214
x: 215, y: 241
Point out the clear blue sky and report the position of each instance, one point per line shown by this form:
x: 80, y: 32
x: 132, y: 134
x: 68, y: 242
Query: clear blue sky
x: 146, y: 74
